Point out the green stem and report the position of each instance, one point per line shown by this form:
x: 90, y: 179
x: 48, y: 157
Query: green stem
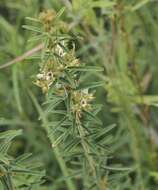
x: 88, y: 157
x: 63, y: 168
x: 56, y: 150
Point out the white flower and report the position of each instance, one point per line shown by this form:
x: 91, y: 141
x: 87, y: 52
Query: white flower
x: 58, y: 86
x: 40, y: 76
x: 60, y: 51
x: 84, y: 103
x: 49, y: 75
x: 85, y: 91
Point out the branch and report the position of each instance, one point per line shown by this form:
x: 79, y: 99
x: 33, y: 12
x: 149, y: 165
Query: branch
x: 22, y: 57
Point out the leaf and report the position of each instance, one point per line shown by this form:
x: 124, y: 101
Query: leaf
x: 9, y: 182
x: 74, y: 175
x: 12, y: 122
x: 91, y: 85
x: 52, y: 104
x: 10, y: 134
x: 59, y: 14
x: 86, y: 68
x: 60, y: 112
x: 33, y: 19
x: 70, y: 79
x: 16, y: 88
x: 154, y: 174
x: 36, y: 38
x: 32, y: 28
x: 4, y: 159
x: 146, y: 99
x: 58, y: 140
x: 102, y: 4
x: 104, y: 140
x: 26, y: 171
x: 93, y: 117
x: 139, y: 5
x: 5, y: 146
x: 97, y: 108
x: 103, y: 133
x: 71, y: 144
x: 53, y: 99
x: 56, y: 125
x: 117, y: 168
x: 22, y: 157
x: 7, y: 27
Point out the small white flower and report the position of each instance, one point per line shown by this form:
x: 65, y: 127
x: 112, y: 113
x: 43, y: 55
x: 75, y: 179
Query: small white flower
x: 40, y: 76
x: 85, y: 91
x: 60, y: 50
x: 83, y: 103
x: 58, y: 86
x: 49, y: 75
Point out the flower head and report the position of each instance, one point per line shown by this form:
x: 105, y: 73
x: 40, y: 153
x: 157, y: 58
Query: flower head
x: 47, y: 16
x: 81, y: 102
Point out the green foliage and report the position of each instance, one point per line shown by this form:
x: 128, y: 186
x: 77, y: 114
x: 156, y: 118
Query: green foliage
x: 17, y: 173
x: 73, y: 126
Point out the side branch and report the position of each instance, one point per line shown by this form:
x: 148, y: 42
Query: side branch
x: 22, y: 57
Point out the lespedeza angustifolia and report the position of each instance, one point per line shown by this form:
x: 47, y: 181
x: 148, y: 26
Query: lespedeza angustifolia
x: 73, y: 129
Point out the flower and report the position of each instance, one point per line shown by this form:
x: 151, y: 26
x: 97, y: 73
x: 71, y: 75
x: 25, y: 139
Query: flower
x: 45, y: 80
x: 81, y: 102
x: 47, y: 16
x: 43, y: 85
x: 60, y: 50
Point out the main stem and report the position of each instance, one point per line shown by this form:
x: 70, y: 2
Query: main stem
x: 89, y: 157
x: 63, y: 168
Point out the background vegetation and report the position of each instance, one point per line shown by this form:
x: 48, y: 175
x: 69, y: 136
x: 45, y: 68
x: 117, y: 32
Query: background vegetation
x: 119, y: 36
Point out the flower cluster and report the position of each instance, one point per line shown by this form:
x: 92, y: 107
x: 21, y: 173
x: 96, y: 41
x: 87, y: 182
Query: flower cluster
x: 57, y: 73
x: 46, y: 17
x: 81, y: 102
x: 55, y: 67
x: 47, y: 75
